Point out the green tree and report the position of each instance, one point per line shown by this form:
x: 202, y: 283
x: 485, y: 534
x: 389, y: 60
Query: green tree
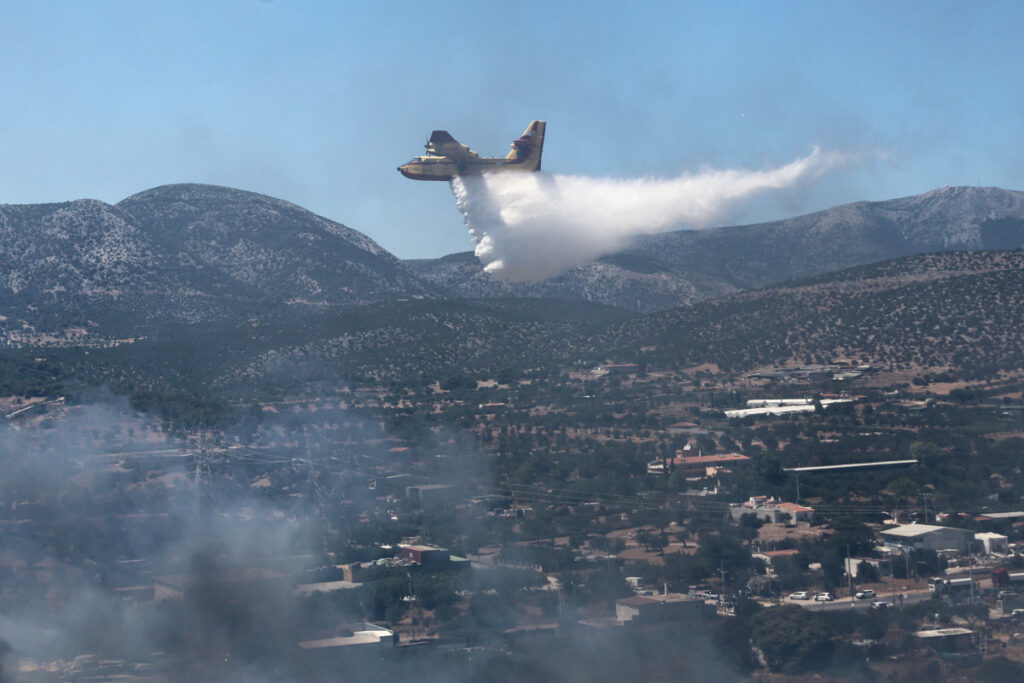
x: 789, y: 575
x: 867, y: 573
x: 902, y: 487
x: 791, y: 639
x: 1000, y: 669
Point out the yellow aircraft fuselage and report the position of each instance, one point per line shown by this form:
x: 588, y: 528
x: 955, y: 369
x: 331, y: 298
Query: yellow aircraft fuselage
x: 447, y: 158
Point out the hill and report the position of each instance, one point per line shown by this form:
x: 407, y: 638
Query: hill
x: 954, y: 311
x: 275, y: 251
x: 219, y: 287
x: 179, y: 254
x: 88, y: 272
x: 632, y: 280
x: 671, y: 269
x: 294, y: 350
x: 949, y: 310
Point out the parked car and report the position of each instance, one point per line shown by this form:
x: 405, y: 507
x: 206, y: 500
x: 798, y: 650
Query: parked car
x: 865, y: 594
x: 800, y: 595
x: 824, y: 597
x: 881, y: 604
x: 710, y: 595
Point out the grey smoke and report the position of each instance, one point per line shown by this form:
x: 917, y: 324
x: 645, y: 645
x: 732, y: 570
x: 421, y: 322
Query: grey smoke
x: 219, y: 630
x: 109, y: 511
x: 532, y: 226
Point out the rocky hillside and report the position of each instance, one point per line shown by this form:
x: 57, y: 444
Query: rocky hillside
x: 276, y: 250
x: 630, y: 280
x: 958, y: 310
x: 179, y: 254
x: 69, y: 267
x: 671, y: 269
x: 947, y: 311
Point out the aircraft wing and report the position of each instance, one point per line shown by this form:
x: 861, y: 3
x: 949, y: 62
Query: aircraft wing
x: 443, y: 144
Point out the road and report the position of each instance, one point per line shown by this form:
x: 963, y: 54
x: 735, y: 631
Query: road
x: 852, y: 603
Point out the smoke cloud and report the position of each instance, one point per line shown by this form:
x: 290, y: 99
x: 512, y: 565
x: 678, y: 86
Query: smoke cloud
x: 532, y: 226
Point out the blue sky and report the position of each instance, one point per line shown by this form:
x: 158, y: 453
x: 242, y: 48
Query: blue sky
x: 318, y: 102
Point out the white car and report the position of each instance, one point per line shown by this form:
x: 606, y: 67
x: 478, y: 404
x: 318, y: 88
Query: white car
x: 824, y: 597
x: 865, y: 594
x: 800, y: 595
x: 881, y: 604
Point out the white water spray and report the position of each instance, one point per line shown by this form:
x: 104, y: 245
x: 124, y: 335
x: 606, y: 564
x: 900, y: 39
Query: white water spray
x: 532, y: 226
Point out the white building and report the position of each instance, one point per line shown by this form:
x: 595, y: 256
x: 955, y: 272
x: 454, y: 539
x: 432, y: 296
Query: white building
x: 781, y: 406
x: 356, y: 635
x: 989, y: 543
x: 881, y: 565
x: 927, y: 537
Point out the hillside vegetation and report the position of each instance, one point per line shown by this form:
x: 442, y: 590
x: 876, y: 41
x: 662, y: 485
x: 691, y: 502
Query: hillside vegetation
x: 956, y: 309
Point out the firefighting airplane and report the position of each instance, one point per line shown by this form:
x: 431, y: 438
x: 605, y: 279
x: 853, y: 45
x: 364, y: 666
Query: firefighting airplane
x: 446, y: 157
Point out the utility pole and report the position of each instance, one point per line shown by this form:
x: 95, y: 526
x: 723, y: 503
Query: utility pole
x: 412, y: 601
x: 892, y: 579
x: 201, y: 475
x: 970, y: 559
x: 849, y: 574
x: 318, y: 472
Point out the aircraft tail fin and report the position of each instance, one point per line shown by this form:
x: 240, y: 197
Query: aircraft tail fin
x: 441, y: 137
x: 527, y: 148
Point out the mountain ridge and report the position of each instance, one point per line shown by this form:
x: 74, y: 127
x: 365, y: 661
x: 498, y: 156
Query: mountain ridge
x: 684, y: 266
x: 180, y: 254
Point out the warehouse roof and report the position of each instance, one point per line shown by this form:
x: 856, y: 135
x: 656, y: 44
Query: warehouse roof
x: 912, y: 530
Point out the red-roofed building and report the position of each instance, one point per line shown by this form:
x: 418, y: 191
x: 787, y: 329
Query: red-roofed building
x: 698, y: 465
x: 426, y: 554
x: 707, y: 465
x: 772, y: 511
x: 797, y: 512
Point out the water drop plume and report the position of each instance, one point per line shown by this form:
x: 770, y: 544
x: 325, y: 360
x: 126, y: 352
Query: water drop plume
x: 532, y: 226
